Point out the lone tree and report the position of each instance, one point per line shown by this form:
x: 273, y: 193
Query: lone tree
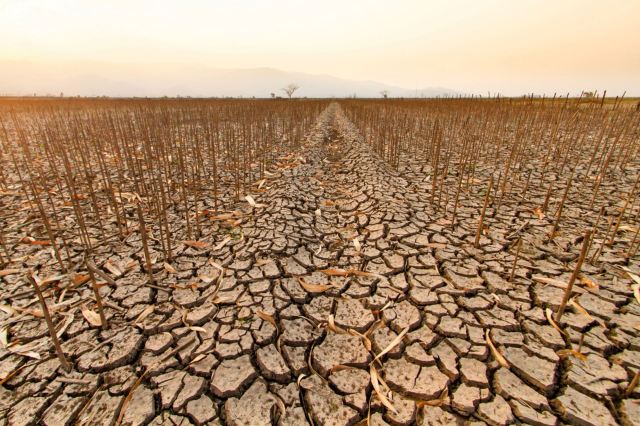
x: 385, y: 94
x: 290, y: 89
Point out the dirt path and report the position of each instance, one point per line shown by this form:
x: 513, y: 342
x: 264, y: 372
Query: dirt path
x: 340, y: 262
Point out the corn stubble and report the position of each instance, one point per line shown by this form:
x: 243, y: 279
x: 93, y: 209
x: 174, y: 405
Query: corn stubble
x: 537, y: 176
x: 90, y: 174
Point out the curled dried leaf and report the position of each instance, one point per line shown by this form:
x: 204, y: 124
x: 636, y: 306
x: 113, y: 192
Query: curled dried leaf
x: 633, y: 276
x: 395, y: 342
x: 300, y: 377
x: 313, y: 288
x: 92, y: 317
x: 549, y: 315
x: 335, y: 272
x: 113, y: 268
x: 494, y: 351
x: 170, y: 269
x: 266, y: 317
x: 196, y: 244
x: 376, y: 387
x: 365, y: 340
x: 564, y: 353
x: 331, y: 325
x: 440, y: 400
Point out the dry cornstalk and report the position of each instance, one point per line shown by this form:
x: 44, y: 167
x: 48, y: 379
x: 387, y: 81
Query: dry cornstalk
x: 482, y: 213
x: 52, y: 330
x: 574, y: 275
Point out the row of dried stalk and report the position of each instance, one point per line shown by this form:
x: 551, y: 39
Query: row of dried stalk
x: 507, y: 155
x: 88, y: 173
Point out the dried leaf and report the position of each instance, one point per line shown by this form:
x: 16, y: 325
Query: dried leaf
x: 250, y: 200
x: 79, y: 279
x: 538, y: 212
x: 358, y: 273
x: 92, y: 318
x: 633, y: 276
x: 65, y: 325
x: 196, y: 244
x: 584, y: 312
x: 588, y: 282
x: 8, y: 309
x: 313, y: 288
x: 436, y: 245
x: 300, y: 377
x: 395, y: 342
x: 215, y: 265
x: 335, y: 272
x: 556, y: 283
x: 28, y: 354
x: 636, y: 291
x: 357, y: 245
x: 435, y: 402
x: 170, y: 269
x: 549, y: 315
x: 494, y: 351
x: 147, y: 311
x: 198, y: 329
x: 127, y: 399
x: 331, y: 325
x: 197, y: 358
x: 365, y: 340
x: 376, y: 387
x: 266, y: 317
x: 51, y: 279
x: 563, y: 353
x: 206, y: 278
x: 5, y: 272
x: 112, y: 268
x: 4, y: 336
x: 222, y: 244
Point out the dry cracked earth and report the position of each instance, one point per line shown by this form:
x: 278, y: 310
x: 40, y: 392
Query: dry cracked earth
x: 294, y: 323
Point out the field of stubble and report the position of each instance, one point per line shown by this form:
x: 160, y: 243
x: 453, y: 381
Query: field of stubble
x: 256, y: 262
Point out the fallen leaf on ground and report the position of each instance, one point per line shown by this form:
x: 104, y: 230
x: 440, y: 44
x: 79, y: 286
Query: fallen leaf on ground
x: 495, y: 352
x: 196, y: 244
x: 92, y: 317
x: 313, y: 288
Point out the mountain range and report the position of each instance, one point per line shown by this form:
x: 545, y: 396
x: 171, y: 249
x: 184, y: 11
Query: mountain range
x: 124, y: 80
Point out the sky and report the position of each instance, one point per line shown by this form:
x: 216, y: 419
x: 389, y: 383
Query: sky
x: 471, y: 46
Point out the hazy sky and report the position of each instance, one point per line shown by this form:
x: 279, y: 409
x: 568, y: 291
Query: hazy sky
x: 511, y: 46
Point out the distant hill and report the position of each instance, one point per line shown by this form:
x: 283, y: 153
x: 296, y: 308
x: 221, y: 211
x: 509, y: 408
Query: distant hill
x: 95, y: 79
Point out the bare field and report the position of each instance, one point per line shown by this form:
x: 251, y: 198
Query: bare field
x: 256, y: 262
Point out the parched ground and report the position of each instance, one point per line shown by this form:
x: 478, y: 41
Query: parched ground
x: 344, y: 297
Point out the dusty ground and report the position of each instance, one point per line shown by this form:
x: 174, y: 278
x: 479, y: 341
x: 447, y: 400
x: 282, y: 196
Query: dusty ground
x: 291, y: 332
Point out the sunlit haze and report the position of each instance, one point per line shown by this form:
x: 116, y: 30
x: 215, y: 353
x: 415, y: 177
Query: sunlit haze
x: 156, y: 46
